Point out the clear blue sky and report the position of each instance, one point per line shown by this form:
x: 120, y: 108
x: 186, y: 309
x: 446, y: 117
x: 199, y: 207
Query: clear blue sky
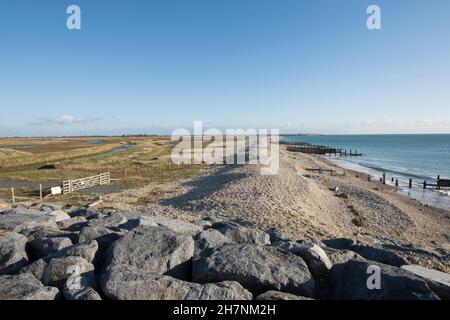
x: 145, y: 66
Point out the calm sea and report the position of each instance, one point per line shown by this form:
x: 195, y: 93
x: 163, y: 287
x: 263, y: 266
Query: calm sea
x: 418, y: 156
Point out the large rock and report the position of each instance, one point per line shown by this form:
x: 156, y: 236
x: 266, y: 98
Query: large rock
x: 438, y: 281
x: 154, y: 249
x: 58, y: 270
x: 86, y: 213
x: 49, y: 206
x: 341, y: 256
x: 18, y: 222
x: 126, y: 283
x: 379, y: 255
x: 104, y: 238
x: 49, y: 232
x: 81, y: 290
x: 12, y: 252
x: 225, y: 290
x: 178, y: 226
x: 278, y: 295
x: 114, y: 221
x: 349, y: 281
x: 339, y: 243
x: 208, y: 240
x: 203, y: 223
x: 242, y: 235
x: 59, y: 215
x: 103, y: 235
x: 276, y: 235
x: 42, y: 247
x: 21, y: 209
x: 257, y: 268
x: 86, y: 250
x: 25, y: 287
x: 73, y: 224
x: 35, y: 268
x: 315, y: 257
x: 368, y: 252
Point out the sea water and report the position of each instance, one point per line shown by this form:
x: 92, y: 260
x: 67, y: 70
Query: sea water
x: 417, y: 156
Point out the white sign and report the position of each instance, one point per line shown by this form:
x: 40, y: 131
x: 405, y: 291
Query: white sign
x: 56, y: 190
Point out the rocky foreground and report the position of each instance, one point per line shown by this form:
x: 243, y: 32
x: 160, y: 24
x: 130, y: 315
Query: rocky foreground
x: 47, y: 253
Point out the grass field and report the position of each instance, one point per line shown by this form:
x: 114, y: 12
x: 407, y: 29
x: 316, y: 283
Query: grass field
x: 146, y: 161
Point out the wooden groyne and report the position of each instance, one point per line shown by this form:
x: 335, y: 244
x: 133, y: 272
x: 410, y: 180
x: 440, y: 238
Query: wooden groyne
x: 323, y: 150
x: 438, y: 185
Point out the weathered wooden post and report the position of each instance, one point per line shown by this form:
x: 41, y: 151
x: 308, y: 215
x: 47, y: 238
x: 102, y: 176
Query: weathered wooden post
x: 438, y: 182
x: 396, y: 182
x: 392, y: 179
x: 40, y: 191
x: 384, y: 178
x: 425, y: 184
x: 13, y: 198
x: 410, y: 183
x: 369, y: 178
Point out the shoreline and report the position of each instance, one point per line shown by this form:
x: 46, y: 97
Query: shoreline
x: 431, y: 197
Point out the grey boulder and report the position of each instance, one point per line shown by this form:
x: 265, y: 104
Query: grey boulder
x: 49, y: 232
x: 349, y: 281
x: 153, y: 249
x: 438, y: 281
x: 315, y: 257
x: 86, y: 250
x: 341, y: 256
x: 81, y: 289
x: 59, y: 215
x: 127, y: 283
x: 178, y: 226
x: 242, y: 235
x: 25, y: 287
x: 19, y: 222
x: 208, y: 240
x: 257, y: 268
x: 114, y: 221
x: 35, y: 268
x: 12, y: 252
x: 42, y: 247
x: 368, y: 252
x: 58, y: 270
x: 73, y: 224
x: 49, y: 207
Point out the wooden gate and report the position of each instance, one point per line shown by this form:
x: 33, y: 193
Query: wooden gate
x: 69, y: 186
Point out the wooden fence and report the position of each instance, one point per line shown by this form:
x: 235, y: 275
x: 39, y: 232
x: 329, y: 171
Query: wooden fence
x: 69, y: 186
